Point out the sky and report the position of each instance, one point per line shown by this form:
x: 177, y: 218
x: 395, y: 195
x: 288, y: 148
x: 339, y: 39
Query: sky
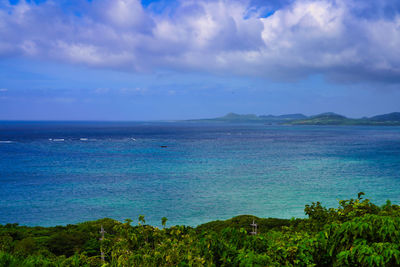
x: 182, y: 59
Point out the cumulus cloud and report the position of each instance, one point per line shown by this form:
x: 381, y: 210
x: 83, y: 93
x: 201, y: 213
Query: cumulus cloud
x: 344, y: 40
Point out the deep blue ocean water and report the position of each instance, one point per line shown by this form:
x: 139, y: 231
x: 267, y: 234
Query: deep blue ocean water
x: 206, y: 172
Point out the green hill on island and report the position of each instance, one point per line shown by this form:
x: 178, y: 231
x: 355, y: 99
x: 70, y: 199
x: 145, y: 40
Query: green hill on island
x: 328, y: 118
x: 331, y: 118
x: 357, y: 233
x: 394, y: 116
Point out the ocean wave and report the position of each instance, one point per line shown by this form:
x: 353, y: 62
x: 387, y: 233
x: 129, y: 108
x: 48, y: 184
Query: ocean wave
x: 6, y: 142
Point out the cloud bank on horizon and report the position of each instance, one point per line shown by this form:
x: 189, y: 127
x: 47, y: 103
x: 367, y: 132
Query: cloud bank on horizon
x: 343, y: 40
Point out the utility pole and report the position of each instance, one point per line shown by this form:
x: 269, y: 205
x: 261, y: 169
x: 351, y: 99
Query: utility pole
x: 254, y: 226
x: 102, y: 232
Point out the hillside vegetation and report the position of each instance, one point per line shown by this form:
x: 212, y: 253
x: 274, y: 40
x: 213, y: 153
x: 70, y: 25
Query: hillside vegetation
x: 357, y: 233
x: 328, y: 118
x: 392, y: 119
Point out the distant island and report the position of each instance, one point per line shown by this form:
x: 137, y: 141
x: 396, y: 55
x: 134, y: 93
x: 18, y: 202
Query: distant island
x: 328, y: 118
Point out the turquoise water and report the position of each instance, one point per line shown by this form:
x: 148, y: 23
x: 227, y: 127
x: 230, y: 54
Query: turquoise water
x: 206, y: 172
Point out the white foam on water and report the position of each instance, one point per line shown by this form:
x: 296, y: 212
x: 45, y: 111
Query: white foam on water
x: 58, y: 140
x: 84, y: 139
x: 6, y: 142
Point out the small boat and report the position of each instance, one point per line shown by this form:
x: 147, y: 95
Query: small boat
x: 163, y: 146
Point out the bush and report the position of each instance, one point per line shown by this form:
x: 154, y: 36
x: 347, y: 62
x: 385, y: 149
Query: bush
x: 357, y: 233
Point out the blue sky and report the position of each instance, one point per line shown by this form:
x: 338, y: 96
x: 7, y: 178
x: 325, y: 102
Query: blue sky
x: 149, y: 60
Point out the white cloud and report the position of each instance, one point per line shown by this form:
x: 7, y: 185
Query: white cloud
x: 135, y: 91
x: 327, y: 37
x: 101, y: 90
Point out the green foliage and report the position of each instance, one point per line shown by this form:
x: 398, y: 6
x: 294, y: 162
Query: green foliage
x: 357, y: 233
x: 164, y: 221
x: 244, y: 221
x: 141, y: 219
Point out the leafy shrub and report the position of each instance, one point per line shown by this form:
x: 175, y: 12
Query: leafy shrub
x: 357, y: 233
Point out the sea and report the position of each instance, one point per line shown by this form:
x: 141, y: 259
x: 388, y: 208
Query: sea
x: 59, y: 173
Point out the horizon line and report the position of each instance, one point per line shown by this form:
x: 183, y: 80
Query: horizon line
x: 175, y: 120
